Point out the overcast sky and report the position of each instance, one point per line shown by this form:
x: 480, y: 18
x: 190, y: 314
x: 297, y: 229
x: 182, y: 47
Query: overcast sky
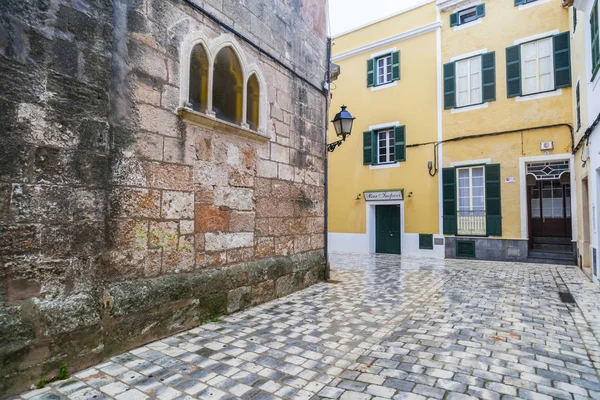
x: 349, y: 14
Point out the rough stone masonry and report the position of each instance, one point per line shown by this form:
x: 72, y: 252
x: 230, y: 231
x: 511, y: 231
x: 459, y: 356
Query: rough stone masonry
x: 119, y: 221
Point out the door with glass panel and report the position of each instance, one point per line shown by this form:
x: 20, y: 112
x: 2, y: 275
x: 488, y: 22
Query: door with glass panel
x: 471, y: 201
x: 550, y: 204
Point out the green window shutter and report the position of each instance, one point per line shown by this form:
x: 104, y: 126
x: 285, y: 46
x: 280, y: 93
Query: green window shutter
x: 449, y: 200
x: 400, y: 143
x: 578, y: 98
x: 513, y: 71
x: 449, y: 85
x: 488, y: 73
x: 562, y: 60
x: 480, y: 11
x: 425, y: 242
x: 595, y: 36
x: 395, y: 66
x: 370, y: 72
x: 368, y: 146
x: 519, y: 2
x: 454, y: 19
x: 493, y: 206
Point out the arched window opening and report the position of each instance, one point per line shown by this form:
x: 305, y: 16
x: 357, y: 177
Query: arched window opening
x: 199, y: 79
x: 252, y: 102
x: 228, y: 87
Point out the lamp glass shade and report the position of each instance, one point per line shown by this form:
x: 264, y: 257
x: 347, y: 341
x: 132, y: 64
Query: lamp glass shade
x: 337, y: 124
x: 347, y: 126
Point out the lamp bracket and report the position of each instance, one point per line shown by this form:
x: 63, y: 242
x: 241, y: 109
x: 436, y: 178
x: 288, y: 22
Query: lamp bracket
x: 332, y: 146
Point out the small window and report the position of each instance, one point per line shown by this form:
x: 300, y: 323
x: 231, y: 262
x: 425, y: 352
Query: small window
x: 384, y: 69
x: 468, y: 85
x: 537, y: 66
x: 574, y: 19
x: 252, y: 102
x: 228, y: 86
x: 471, y: 201
x: 467, y: 16
x: 385, y: 146
x: 521, y: 2
x: 198, y: 79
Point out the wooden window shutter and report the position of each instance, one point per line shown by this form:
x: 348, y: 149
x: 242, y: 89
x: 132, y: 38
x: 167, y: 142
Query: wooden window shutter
x: 370, y: 72
x: 493, y: 203
x: 562, y: 60
x: 595, y: 36
x: 449, y: 200
x: 368, y: 148
x: 400, y: 143
x: 513, y: 71
x: 454, y: 19
x: 488, y: 73
x: 449, y: 85
x: 396, y: 66
x: 480, y: 11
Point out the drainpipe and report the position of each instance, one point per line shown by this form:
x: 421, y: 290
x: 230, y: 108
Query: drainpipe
x: 326, y: 211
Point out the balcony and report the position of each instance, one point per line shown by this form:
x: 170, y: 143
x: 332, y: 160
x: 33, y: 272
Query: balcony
x: 471, y: 223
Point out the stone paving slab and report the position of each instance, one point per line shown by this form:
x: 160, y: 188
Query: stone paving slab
x: 392, y: 328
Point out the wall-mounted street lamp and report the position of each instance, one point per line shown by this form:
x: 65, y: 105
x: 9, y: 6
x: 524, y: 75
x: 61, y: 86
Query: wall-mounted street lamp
x: 343, y: 128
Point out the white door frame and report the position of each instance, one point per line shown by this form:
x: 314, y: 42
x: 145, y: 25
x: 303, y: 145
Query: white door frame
x: 371, y: 220
x: 523, y: 188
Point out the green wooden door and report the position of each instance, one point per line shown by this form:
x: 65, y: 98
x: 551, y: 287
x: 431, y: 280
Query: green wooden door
x: 387, y: 229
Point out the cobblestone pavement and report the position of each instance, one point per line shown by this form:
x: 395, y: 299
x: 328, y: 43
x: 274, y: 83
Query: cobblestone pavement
x: 392, y: 328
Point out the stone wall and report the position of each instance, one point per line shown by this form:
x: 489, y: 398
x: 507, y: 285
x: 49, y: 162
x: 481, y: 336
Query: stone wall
x: 119, y: 221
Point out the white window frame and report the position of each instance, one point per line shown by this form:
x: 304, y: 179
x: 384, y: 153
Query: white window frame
x: 470, y: 88
x: 470, y: 224
x: 389, y: 155
x: 538, y: 89
x: 467, y: 11
x: 382, y: 78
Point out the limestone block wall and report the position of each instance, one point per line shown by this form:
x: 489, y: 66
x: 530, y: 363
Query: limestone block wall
x: 121, y: 222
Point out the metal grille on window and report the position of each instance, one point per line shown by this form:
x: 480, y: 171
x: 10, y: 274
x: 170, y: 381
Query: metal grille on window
x: 548, y: 170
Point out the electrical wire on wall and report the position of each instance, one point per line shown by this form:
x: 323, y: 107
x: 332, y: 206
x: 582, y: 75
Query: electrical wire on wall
x: 433, y: 170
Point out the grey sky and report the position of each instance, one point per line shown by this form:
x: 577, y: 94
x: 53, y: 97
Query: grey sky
x: 348, y: 14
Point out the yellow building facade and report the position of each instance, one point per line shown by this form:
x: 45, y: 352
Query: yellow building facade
x: 485, y: 98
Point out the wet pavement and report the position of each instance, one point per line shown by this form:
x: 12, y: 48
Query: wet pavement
x: 391, y: 328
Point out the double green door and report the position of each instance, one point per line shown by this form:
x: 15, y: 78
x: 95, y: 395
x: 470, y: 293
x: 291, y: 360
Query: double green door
x: 387, y: 228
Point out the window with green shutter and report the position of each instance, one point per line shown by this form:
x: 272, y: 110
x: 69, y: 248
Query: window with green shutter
x: 400, y: 143
x: 384, y: 146
x: 595, y: 40
x: 470, y: 81
x: 368, y: 148
x: 449, y: 85
x: 449, y: 200
x: 578, y: 99
x: 513, y: 71
x: 468, y: 15
x: 538, y: 66
x: 472, y: 200
x: 493, y: 202
x: 370, y: 72
x: 521, y: 2
x: 383, y: 69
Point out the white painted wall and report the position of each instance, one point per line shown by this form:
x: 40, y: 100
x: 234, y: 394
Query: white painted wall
x: 593, y: 100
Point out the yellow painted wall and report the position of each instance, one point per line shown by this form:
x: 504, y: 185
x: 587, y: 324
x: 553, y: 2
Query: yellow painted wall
x: 502, y: 25
x: 412, y: 103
